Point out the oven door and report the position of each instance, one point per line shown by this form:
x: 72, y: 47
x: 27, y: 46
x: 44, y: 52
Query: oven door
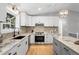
x: 39, y: 38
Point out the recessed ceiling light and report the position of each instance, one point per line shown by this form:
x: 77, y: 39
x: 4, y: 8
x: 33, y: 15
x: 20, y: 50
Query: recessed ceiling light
x: 39, y: 9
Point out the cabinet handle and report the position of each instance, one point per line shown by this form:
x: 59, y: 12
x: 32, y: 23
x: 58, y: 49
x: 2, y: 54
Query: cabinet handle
x: 9, y: 54
x: 56, y: 44
x: 19, y: 45
x: 26, y: 42
x: 15, y: 53
x: 66, y: 49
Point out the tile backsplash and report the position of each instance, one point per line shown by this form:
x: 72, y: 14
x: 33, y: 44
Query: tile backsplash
x: 29, y: 30
x: 39, y: 29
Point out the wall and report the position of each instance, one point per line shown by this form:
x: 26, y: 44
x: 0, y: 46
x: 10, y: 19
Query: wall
x: 71, y: 23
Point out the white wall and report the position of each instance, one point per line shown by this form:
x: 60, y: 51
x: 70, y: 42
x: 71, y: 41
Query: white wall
x: 71, y: 23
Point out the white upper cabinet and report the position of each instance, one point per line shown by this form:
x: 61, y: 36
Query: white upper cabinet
x: 23, y: 18
x: 3, y: 11
x: 47, y: 21
x: 27, y: 20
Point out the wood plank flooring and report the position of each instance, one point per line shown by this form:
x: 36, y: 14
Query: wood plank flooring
x: 46, y: 49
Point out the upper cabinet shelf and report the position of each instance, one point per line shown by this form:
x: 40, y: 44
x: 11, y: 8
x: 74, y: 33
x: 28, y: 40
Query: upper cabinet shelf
x: 3, y: 12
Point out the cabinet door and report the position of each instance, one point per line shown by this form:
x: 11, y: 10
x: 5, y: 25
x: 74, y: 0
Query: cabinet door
x: 57, y: 47
x: 67, y: 51
x: 48, y: 38
x: 25, y: 45
x: 22, y: 47
x: 12, y: 51
x: 32, y: 39
x: 3, y: 11
x: 23, y: 18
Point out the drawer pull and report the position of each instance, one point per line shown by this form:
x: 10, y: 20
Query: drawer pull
x: 66, y: 49
x: 15, y: 53
x: 9, y: 54
x: 19, y: 45
x: 26, y: 42
x: 56, y: 44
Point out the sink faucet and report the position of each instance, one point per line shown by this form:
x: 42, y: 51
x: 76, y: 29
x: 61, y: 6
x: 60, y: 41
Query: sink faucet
x: 0, y: 32
x: 14, y: 33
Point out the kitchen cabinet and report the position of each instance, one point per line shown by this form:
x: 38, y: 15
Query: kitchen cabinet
x: 48, y: 38
x: 47, y: 21
x: 57, y: 47
x: 19, y: 49
x: 67, y: 51
x: 22, y: 47
x: 32, y: 39
x: 28, y: 22
x: 62, y: 49
x: 23, y: 19
x: 12, y: 51
x: 3, y: 12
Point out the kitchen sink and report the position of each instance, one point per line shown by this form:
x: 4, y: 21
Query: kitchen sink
x: 19, y: 37
x: 76, y: 42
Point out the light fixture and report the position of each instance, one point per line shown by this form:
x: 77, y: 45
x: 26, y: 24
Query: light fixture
x: 63, y: 13
x: 13, y: 8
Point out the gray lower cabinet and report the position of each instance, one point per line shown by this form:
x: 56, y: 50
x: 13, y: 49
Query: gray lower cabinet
x: 19, y: 49
x: 67, y: 51
x: 57, y: 47
x: 62, y: 49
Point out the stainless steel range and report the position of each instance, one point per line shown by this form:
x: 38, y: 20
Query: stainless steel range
x: 39, y: 37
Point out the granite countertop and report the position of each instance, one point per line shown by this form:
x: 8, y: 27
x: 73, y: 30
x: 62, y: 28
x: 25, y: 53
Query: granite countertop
x: 10, y: 43
x: 69, y: 42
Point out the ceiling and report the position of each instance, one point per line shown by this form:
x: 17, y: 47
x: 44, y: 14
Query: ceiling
x: 46, y: 8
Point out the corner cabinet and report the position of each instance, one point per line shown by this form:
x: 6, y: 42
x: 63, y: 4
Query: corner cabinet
x: 62, y: 49
x: 3, y: 12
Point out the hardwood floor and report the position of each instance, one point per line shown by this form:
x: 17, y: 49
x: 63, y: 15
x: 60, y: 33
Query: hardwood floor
x: 46, y: 49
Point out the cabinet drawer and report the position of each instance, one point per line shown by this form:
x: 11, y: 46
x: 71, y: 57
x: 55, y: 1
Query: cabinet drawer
x: 67, y: 51
x: 56, y: 43
x: 11, y: 51
x: 57, y: 47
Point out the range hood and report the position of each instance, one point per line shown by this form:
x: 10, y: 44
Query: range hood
x: 39, y: 24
